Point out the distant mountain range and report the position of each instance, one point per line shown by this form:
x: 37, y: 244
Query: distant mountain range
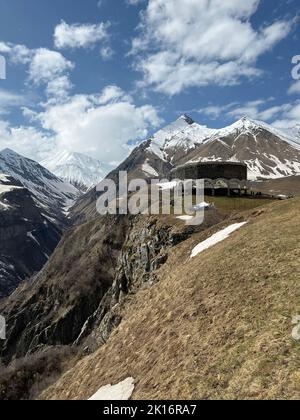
x: 269, y: 153
x: 77, y: 169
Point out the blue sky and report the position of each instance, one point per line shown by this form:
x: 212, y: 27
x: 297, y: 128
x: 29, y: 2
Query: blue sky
x: 92, y: 76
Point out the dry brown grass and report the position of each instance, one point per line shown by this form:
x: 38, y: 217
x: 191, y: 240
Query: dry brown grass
x: 289, y: 185
x: 215, y: 327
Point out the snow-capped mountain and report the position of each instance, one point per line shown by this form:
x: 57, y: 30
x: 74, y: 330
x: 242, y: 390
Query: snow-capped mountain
x: 291, y: 134
x: 27, y: 237
x: 77, y: 169
x: 178, y: 138
x: 50, y: 193
x: 265, y: 150
x: 269, y: 152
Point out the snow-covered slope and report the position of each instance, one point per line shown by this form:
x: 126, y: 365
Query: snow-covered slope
x: 80, y: 170
x: 179, y: 137
x: 269, y: 152
x: 248, y: 125
x: 50, y: 193
x: 28, y: 238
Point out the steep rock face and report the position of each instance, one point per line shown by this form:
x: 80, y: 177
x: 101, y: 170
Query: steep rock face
x: 52, y: 195
x: 27, y: 238
x: 52, y: 308
x: 75, y: 297
x: 145, y: 249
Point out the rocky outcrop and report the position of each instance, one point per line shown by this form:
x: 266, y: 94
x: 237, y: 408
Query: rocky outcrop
x: 50, y: 193
x: 53, y: 306
x: 27, y: 238
x: 77, y: 296
x: 145, y: 250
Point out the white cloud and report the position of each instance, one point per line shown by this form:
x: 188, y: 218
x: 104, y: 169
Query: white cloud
x: 112, y: 94
x: 294, y: 89
x: 135, y: 2
x: 10, y: 99
x: 99, y: 125
x: 27, y: 141
x: 58, y: 89
x: 289, y: 118
x: 4, y: 47
x: 257, y: 110
x: 285, y: 115
x: 215, y: 111
x: 200, y: 42
x: 79, y: 35
x: 106, y: 53
x: 18, y: 54
x: 47, y: 65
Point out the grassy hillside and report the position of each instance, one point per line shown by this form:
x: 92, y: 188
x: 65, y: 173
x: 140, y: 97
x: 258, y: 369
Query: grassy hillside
x: 289, y: 185
x: 216, y: 326
x: 227, y: 205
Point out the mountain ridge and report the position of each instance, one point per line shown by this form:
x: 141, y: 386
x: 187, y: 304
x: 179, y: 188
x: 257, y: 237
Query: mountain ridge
x: 268, y: 153
x: 27, y: 237
x: 78, y: 169
x: 50, y: 193
x: 185, y: 141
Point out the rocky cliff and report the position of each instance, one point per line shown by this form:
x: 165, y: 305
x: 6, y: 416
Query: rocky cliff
x: 27, y: 238
x: 75, y: 298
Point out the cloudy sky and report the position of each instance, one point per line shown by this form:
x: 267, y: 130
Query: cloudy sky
x: 97, y: 76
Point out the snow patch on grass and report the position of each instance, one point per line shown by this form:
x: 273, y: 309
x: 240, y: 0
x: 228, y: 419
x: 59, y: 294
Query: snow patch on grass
x: 185, y: 218
x: 216, y: 238
x: 120, y: 392
x: 146, y: 168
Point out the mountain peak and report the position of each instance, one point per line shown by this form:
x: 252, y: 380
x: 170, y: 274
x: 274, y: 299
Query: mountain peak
x: 245, y: 120
x: 186, y: 118
x: 76, y: 168
x: 8, y: 152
